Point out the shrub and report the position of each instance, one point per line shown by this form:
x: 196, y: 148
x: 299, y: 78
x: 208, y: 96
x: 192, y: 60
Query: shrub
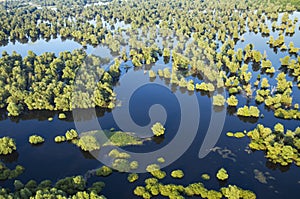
x: 218, y: 100
x: 104, y: 171
x: 205, y: 176
x: 246, y: 111
x: 177, y: 174
x: 134, y: 165
x: 121, y: 165
x: 132, y: 177
x: 161, y: 160
x: 62, y: 116
x: 152, y: 74
x: 36, y: 139
x: 222, y: 174
x: 59, y: 139
x: 71, y: 134
x: 96, y: 187
x: 71, y: 185
x: 232, y: 101
x: 158, y: 129
x: 7, y: 145
x: 88, y: 143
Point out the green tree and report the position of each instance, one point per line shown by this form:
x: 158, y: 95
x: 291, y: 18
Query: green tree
x: 36, y: 139
x: 222, y: 174
x: 158, y: 129
x: 218, y: 100
x: 7, y: 145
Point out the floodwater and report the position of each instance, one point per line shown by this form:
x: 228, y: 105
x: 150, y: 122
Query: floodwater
x: 54, y: 161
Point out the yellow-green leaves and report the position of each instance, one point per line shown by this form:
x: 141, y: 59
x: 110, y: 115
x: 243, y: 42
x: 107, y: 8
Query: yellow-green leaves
x: 7, y: 145
x: 222, y: 174
x: 158, y: 129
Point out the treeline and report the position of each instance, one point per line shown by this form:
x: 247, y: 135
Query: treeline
x: 66, y: 188
x: 46, y: 82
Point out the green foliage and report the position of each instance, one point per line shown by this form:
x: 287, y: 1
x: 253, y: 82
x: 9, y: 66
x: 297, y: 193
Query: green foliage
x: 279, y: 128
x: 119, y: 138
x: 222, y: 174
x: 6, y: 173
x: 177, y: 174
x: 232, y: 101
x: 104, y: 171
x: 158, y: 129
x: 239, y: 135
x: 229, y: 134
x: 246, y: 111
x: 133, y: 177
x: 256, y: 56
x: 190, y: 85
x: 36, y: 139
x: 116, y: 154
x: 121, y: 165
x: 209, y: 87
x: 88, y: 143
x: 62, y: 116
x: 152, y: 74
x: 59, y: 139
x: 96, y: 187
x: 205, y: 176
x: 218, y: 100
x: 280, y: 147
x: 232, y: 191
x: 71, y: 134
x: 14, y: 109
x: 154, y: 169
x: 285, y: 60
x: 133, y: 165
x: 71, y: 185
x: 264, y: 83
x: 161, y: 160
x: 266, y: 64
x: 7, y: 145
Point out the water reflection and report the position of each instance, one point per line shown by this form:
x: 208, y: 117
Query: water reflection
x: 251, y: 120
x: 10, y: 158
x: 273, y: 166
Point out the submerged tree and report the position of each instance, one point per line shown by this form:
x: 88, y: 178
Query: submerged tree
x: 158, y: 129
